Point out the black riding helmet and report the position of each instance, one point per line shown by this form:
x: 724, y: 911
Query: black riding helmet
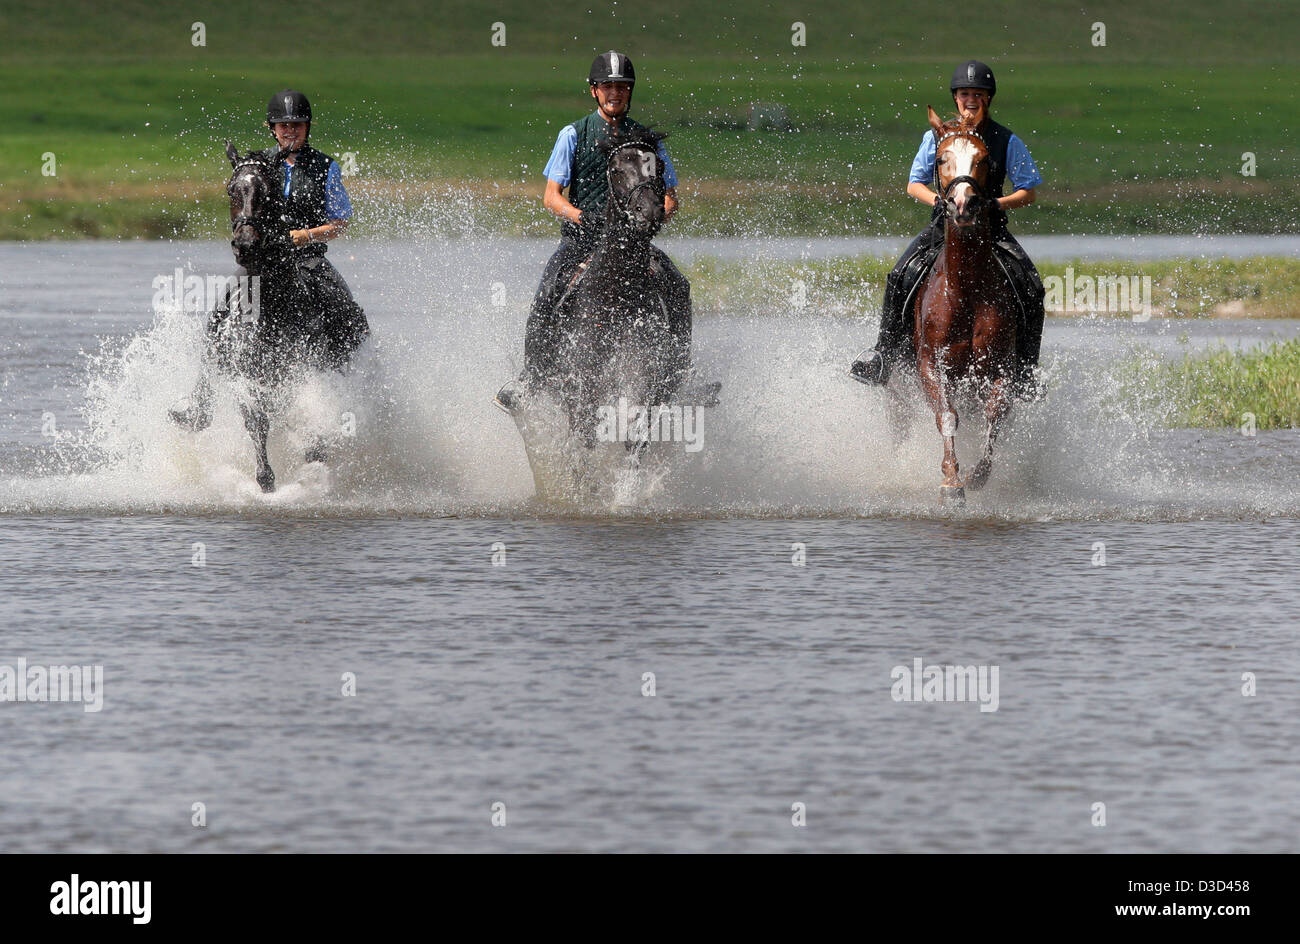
x: 611, y: 67
x: 288, y: 105
x: 974, y: 74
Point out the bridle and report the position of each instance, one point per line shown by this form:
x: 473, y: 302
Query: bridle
x: 656, y: 182
x: 946, y: 189
x: 270, y: 227
x: 263, y: 169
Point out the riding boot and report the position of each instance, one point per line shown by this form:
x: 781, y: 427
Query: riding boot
x: 677, y: 299
x: 542, y: 334
x: 344, y: 326
x: 1031, y: 294
x: 894, y: 342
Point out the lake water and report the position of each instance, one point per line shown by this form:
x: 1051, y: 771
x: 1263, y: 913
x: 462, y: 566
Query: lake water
x: 771, y: 586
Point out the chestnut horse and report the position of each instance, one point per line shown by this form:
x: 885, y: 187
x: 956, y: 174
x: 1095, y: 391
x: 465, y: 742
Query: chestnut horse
x: 965, y: 310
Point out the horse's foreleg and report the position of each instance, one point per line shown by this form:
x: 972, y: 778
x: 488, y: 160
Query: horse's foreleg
x: 996, y: 407
x: 257, y: 424
x: 945, y: 417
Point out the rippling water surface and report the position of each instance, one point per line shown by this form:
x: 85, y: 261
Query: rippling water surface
x: 523, y: 682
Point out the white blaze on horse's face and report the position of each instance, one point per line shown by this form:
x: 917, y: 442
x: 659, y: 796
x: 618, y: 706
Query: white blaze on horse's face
x: 959, y: 161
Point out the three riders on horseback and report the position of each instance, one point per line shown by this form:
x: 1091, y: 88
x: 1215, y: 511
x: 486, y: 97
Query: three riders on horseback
x: 316, y: 209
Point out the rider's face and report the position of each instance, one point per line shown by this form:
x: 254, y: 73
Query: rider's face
x: 290, y: 134
x: 971, y: 102
x: 613, y: 98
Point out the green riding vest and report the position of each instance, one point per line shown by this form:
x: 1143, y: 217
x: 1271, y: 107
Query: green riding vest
x: 588, y: 185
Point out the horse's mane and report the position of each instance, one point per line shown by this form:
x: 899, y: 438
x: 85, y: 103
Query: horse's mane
x: 644, y: 136
x: 959, y: 124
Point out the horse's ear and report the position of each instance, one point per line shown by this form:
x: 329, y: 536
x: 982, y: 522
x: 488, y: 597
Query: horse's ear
x: 935, y: 123
x: 232, y: 154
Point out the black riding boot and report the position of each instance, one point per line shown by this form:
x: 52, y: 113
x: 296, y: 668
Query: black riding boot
x: 894, y: 342
x: 1030, y: 291
x: 677, y: 297
x: 541, y: 334
x: 344, y: 324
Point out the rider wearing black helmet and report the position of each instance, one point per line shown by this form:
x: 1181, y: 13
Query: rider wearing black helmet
x: 578, y: 163
x: 316, y: 209
x: 973, y: 87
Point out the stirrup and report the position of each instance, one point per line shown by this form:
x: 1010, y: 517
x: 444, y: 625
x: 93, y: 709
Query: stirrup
x: 869, y: 368
x: 509, y: 398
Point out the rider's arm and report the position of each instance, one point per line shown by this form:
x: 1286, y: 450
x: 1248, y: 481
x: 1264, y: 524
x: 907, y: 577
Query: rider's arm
x: 555, y: 201
x: 922, y: 192
x: 670, y: 184
x: 1023, y: 174
x: 1018, y: 198
x: 922, y: 171
x: 338, y: 208
x: 319, y: 234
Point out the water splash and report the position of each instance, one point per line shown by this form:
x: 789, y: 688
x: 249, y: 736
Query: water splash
x: 412, y: 432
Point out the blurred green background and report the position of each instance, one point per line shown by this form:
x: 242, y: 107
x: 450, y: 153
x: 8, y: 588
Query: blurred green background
x: 1145, y: 134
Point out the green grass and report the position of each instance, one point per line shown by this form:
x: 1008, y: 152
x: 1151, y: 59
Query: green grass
x: 1224, y: 388
x: 1259, y: 287
x: 1144, y: 135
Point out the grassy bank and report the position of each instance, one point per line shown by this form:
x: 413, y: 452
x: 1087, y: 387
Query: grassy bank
x: 1254, y: 390
x: 1146, y: 134
x: 1259, y: 287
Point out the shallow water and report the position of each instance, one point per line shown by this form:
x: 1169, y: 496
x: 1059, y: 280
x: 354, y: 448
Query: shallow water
x: 522, y: 683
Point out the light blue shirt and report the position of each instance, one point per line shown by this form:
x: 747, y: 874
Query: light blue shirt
x: 561, y: 162
x: 337, y: 204
x: 1021, y: 169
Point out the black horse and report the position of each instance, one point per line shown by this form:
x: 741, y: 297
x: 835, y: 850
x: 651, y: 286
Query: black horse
x: 268, y: 336
x: 624, y: 325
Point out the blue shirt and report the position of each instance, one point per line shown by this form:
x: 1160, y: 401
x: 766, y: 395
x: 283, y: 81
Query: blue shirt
x: 337, y: 204
x: 1021, y: 169
x: 561, y: 162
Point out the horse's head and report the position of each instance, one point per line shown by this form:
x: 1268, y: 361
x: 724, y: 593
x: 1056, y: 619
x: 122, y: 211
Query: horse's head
x: 962, y: 161
x: 635, y: 173
x: 256, y: 207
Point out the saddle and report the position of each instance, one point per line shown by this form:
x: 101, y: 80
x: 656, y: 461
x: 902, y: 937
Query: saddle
x: 1011, y: 259
x: 581, y: 270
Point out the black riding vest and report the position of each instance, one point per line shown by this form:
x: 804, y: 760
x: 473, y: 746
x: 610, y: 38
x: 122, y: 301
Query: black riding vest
x: 996, y: 139
x: 588, y: 184
x: 305, y: 208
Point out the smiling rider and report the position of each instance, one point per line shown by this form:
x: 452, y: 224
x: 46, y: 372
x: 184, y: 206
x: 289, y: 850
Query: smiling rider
x: 973, y: 87
x: 578, y: 163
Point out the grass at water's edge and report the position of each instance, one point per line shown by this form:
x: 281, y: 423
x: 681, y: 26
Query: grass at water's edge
x: 1250, y: 390
x: 1257, y: 287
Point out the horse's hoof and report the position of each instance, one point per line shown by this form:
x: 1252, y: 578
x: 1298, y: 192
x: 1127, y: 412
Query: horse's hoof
x: 266, y: 479
x: 979, y: 477
x: 952, y: 495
